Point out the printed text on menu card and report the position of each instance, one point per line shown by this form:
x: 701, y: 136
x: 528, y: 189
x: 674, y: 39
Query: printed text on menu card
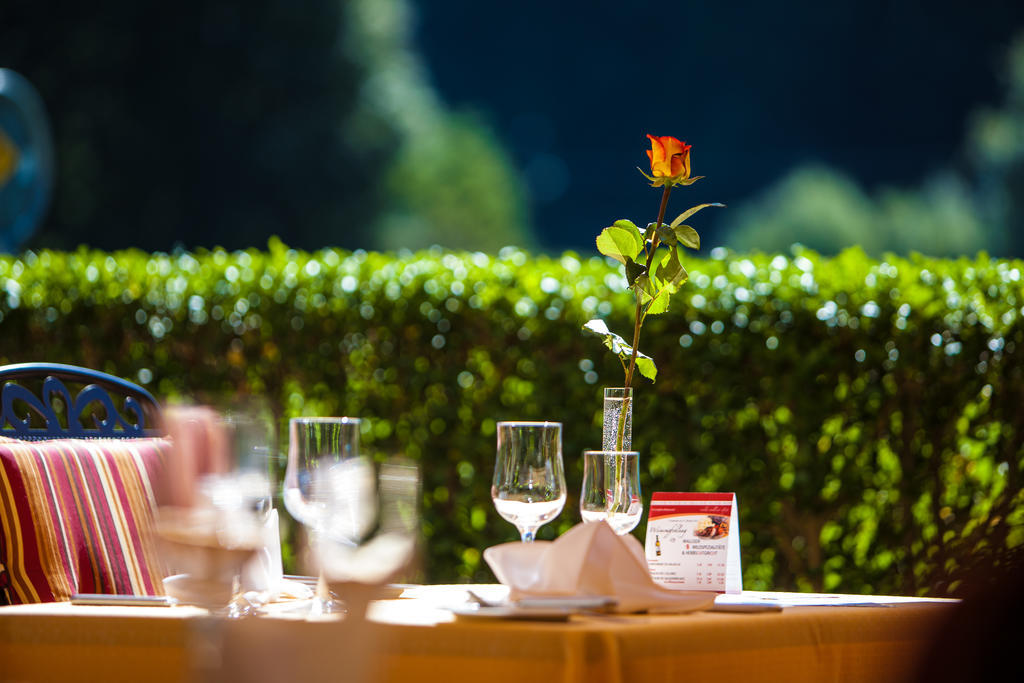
x: 693, y: 541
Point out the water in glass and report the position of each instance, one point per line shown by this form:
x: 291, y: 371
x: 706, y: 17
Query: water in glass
x: 611, y: 489
x: 315, y: 444
x: 529, y: 478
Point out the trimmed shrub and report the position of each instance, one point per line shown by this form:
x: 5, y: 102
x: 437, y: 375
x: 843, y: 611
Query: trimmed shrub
x: 866, y: 412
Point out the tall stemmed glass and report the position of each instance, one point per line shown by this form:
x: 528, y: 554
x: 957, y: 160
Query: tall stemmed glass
x: 242, y: 498
x: 245, y: 489
x: 611, y: 489
x: 316, y: 444
x: 373, y: 522
x: 529, y: 479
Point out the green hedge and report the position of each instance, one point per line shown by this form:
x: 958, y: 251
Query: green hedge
x: 869, y: 414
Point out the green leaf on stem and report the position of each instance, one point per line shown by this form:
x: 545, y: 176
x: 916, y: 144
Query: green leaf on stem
x: 668, y: 274
x: 672, y: 272
x: 656, y: 305
x: 688, y: 236
x: 647, y: 368
x: 618, y: 346
x: 654, y: 299
x: 633, y: 270
x: 620, y: 242
x: 689, y: 212
x: 667, y: 235
x: 614, y: 342
x: 659, y: 258
x: 644, y: 287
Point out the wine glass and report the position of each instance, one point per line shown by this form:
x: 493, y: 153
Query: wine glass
x: 369, y: 534
x: 219, y: 533
x: 248, y: 492
x: 611, y: 489
x: 529, y: 480
x: 243, y: 491
x: 316, y: 444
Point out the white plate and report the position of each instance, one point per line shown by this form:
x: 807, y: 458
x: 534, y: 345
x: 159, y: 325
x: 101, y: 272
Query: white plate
x: 511, y: 612
x: 547, y: 609
x: 588, y: 602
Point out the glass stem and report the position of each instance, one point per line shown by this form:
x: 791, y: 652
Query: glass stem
x: 620, y: 435
x: 617, y: 485
x: 619, y: 463
x: 322, y: 597
x: 527, y: 535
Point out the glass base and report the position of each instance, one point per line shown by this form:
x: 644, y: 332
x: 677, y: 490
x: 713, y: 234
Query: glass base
x: 324, y: 604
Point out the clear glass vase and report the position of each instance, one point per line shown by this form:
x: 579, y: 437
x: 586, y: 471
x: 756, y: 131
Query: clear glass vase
x: 617, y: 434
x: 611, y: 489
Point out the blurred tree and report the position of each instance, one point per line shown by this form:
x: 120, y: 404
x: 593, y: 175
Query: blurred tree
x: 451, y: 182
x: 825, y: 210
x: 996, y: 149
x: 813, y: 205
x: 454, y: 187
x: 223, y: 122
x: 980, y: 207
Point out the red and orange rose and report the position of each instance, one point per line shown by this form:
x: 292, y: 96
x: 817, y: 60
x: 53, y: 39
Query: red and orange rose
x: 670, y: 162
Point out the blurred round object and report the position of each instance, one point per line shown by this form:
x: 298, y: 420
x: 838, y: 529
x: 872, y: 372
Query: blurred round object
x: 26, y: 160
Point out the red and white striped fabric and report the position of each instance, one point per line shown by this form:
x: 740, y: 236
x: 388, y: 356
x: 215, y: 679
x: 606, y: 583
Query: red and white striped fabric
x: 76, y: 516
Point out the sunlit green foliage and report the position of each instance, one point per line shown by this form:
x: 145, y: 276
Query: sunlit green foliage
x: 652, y: 274
x: 867, y: 412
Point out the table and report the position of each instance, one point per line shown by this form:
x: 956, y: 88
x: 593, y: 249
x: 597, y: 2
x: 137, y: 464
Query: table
x: 414, y: 640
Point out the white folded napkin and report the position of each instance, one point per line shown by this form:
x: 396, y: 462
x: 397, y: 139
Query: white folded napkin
x: 264, y: 572
x: 589, y: 560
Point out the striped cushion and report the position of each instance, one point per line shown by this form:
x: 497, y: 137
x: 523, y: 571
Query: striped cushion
x: 76, y: 517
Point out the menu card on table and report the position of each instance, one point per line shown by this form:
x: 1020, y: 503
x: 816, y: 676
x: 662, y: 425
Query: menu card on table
x: 693, y: 541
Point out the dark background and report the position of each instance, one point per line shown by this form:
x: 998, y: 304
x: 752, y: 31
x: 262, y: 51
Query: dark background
x: 225, y: 122
x: 881, y: 90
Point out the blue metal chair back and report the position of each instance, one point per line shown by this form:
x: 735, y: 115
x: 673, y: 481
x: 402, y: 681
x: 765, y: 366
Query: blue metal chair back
x: 138, y: 416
